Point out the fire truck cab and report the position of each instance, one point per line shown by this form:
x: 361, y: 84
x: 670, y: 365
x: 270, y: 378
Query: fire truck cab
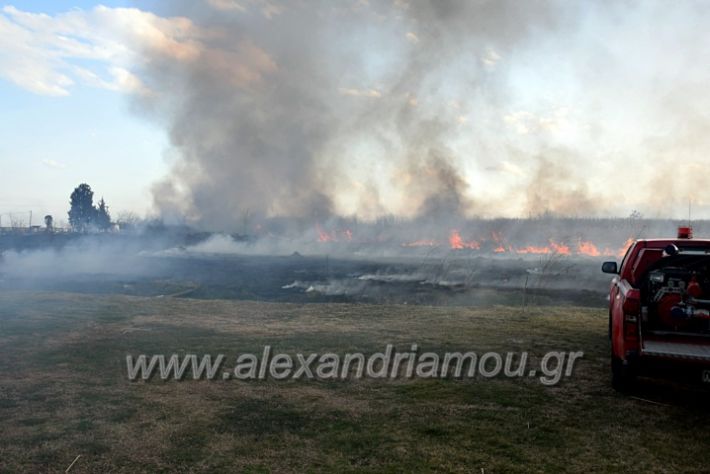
x: 659, y: 309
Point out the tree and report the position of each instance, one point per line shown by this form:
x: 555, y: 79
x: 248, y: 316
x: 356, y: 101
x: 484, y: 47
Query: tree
x: 103, y: 218
x: 49, y: 223
x: 82, y: 211
x: 127, y: 221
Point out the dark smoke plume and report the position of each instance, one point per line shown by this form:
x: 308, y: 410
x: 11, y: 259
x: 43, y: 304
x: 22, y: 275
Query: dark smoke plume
x: 311, y: 109
x: 319, y: 109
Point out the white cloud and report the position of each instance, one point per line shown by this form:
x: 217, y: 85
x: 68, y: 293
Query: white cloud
x: 267, y: 8
x: 120, y: 80
x: 100, y: 47
x: 54, y: 164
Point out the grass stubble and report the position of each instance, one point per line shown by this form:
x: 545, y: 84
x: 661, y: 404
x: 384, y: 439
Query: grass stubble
x: 64, y: 393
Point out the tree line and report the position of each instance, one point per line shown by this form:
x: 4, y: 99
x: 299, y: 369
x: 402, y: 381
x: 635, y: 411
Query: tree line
x: 84, y: 215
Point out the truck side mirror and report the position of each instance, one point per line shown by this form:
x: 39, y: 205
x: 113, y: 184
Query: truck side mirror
x: 610, y: 267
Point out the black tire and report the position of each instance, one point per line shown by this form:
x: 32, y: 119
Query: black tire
x: 610, y: 328
x: 622, y: 375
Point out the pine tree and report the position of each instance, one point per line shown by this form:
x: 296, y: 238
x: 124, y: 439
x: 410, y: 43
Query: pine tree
x: 82, y: 211
x: 103, y: 218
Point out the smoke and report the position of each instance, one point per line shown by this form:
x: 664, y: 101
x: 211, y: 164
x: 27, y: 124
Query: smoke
x: 428, y: 108
x: 313, y: 109
x: 551, y: 190
x: 89, y: 255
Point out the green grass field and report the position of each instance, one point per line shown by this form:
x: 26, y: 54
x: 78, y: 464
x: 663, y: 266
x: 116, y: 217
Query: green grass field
x: 64, y: 393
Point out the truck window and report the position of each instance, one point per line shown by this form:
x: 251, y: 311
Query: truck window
x: 626, y: 255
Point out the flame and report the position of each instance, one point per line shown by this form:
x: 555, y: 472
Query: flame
x: 325, y: 236
x: 583, y: 247
x: 587, y: 248
x: 622, y: 251
x: 333, y: 236
x: 552, y: 248
x: 497, y: 237
x: 561, y: 249
x: 455, y: 240
x: 457, y: 243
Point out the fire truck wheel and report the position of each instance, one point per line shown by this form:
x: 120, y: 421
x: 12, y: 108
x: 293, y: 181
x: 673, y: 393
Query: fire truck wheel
x: 610, y: 328
x: 622, y: 376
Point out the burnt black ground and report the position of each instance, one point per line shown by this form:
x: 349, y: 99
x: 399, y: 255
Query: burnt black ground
x: 459, y: 279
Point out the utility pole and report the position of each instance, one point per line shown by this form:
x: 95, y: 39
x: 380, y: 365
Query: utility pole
x: 30, y: 227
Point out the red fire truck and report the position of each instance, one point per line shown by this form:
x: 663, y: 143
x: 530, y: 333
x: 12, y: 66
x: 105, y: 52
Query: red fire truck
x: 659, y: 309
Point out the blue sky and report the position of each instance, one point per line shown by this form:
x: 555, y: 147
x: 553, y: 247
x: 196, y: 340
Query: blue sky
x: 58, y: 6
x: 49, y: 144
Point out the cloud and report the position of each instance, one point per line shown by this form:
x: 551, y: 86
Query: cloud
x: 54, y: 164
x: 49, y: 55
x: 267, y: 8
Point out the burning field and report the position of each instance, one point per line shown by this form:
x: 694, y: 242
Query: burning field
x: 70, y: 314
x: 477, y: 263
x: 320, y: 265
x: 441, y: 179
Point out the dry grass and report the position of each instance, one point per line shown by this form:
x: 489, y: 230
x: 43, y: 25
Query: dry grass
x: 63, y: 393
